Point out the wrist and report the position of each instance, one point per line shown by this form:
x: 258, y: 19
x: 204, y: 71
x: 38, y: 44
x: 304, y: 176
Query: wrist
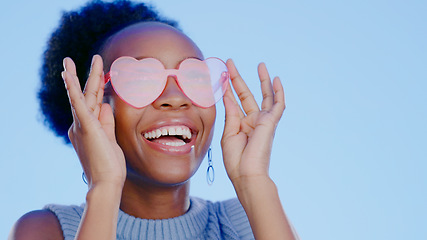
x: 100, y: 216
x: 249, y: 182
x: 105, y: 192
x: 249, y: 186
x: 260, y: 198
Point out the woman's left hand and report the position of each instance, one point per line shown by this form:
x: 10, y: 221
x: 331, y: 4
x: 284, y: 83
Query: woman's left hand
x: 248, y: 133
x: 246, y: 147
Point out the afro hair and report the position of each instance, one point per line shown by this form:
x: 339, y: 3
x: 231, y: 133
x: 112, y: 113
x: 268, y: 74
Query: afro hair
x: 80, y: 35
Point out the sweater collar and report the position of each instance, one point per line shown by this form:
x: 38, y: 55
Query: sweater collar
x: 188, y: 226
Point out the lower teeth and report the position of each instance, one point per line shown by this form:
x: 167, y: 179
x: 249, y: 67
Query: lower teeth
x: 174, y: 144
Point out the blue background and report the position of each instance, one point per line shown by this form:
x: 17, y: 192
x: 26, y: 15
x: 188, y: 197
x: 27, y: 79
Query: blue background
x: 350, y: 152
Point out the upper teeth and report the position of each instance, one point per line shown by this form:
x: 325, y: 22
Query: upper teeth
x: 171, y: 131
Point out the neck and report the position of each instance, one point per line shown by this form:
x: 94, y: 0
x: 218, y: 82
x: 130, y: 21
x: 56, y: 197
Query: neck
x: 143, y: 200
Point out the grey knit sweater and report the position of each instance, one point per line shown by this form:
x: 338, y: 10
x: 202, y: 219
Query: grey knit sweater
x: 204, y: 220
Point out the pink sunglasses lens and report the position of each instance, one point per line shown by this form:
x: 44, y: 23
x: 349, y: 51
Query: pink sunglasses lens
x: 204, y: 82
x: 138, y: 83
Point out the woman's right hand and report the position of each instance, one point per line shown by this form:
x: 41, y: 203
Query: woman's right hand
x: 92, y: 132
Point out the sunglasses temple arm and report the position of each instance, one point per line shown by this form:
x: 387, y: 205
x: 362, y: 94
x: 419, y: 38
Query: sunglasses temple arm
x: 107, y: 78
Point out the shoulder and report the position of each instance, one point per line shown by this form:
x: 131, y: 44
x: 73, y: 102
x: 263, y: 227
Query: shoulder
x: 39, y: 224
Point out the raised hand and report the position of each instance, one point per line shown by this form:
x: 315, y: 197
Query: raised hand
x: 249, y: 132
x: 92, y: 132
x: 246, y: 147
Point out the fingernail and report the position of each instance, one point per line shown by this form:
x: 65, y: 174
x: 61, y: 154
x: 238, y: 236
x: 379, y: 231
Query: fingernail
x: 63, y: 63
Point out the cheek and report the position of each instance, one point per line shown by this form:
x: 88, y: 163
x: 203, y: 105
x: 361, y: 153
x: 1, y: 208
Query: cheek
x: 208, y: 117
x: 110, y: 96
x: 125, y: 119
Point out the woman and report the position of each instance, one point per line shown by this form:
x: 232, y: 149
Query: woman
x: 139, y: 145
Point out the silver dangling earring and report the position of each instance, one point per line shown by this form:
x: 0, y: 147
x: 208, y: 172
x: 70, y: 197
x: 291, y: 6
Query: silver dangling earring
x: 210, y: 173
x: 84, y: 177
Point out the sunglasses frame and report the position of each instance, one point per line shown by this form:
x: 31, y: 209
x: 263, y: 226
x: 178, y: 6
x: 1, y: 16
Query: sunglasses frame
x: 213, y: 66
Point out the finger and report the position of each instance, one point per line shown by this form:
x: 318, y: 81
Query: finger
x: 73, y: 86
x: 230, y: 95
x: 232, y: 117
x: 244, y: 94
x: 279, y: 99
x: 266, y: 87
x: 106, y: 119
x: 100, y: 96
x: 92, y: 85
x: 72, y: 81
x: 76, y: 98
x: 69, y: 66
x: 73, y: 112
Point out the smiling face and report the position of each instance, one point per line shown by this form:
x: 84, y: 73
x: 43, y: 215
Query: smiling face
x: 164, y: 142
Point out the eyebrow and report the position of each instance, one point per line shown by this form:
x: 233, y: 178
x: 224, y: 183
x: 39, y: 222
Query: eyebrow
x: 139, y: 58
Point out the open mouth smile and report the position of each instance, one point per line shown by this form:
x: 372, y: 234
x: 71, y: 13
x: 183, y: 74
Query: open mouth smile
x: 170, y: 138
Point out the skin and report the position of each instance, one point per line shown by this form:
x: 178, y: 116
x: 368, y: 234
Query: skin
x: 124, y: 172
x: 157, y: 183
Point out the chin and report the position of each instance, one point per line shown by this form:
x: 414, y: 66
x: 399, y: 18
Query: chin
x: 173, y: 174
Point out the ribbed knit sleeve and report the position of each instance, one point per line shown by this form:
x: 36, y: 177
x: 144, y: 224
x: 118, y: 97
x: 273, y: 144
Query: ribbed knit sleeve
x: 238, y: 219
x: 69, y: 218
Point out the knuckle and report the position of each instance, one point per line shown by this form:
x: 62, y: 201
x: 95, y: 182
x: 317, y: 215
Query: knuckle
x: 91, y: 92
x: 243, y: 96
x: 267, y: 95
x: 99, y: 105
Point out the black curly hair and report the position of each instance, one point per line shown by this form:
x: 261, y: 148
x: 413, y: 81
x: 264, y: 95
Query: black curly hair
x: 80, y: 35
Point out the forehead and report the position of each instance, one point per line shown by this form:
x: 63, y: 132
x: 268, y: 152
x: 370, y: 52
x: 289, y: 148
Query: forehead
x: 157, y: 40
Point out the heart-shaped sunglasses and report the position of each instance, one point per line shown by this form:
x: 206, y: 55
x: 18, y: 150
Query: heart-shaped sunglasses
x: 141, y: 82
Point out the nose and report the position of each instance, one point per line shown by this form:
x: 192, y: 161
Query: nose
x: 172, y: 97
